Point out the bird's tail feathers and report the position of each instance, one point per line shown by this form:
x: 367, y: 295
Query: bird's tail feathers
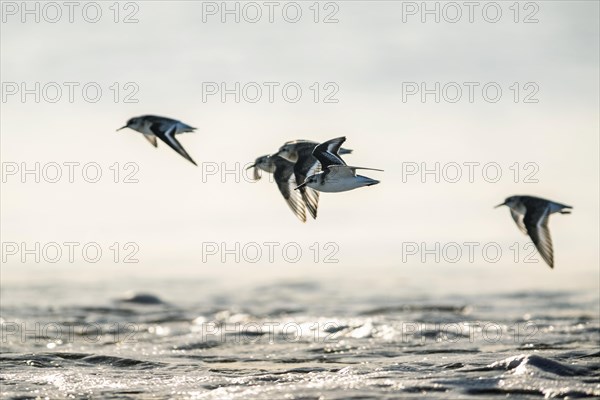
x: 367, y: 181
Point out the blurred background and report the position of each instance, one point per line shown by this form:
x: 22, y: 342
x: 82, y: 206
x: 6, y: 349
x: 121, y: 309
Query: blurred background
x: 370, y: 54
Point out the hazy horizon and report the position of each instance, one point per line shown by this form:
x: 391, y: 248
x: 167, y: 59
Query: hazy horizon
x: 370, y: 55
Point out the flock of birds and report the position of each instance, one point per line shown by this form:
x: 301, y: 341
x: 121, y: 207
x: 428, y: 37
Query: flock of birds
x: 303, y: 168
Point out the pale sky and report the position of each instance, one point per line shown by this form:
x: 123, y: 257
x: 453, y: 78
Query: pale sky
x: 369, y: 54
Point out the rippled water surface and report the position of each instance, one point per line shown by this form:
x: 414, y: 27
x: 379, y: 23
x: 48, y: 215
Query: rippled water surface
x: 297, y: 340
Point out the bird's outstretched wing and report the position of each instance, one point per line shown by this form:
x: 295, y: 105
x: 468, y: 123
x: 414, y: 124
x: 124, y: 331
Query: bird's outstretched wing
x: 169, y: 138
x: 307, y: 165
x: 284, y: 177
x: 327, y: 152
x: 536, y: 223
x: 311, y: 199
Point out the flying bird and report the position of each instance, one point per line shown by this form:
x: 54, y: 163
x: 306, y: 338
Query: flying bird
x: 336, y: 175
x: 531, y: 216
x: 165, y: 129
x: 305, y: 164
x: 283, y: 172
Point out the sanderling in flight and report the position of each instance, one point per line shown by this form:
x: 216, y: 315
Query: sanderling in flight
x: 305, y: 164
x: 531, y: 216
x: 165, y: 129
x: 283, y: 172
x: 336, y: 175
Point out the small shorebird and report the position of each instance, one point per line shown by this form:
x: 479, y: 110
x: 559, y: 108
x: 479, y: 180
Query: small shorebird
x: 283, y: 172
x: 531, y: 216
x: 336, y: 175
x: 305, y: 164
x: 165, y: 129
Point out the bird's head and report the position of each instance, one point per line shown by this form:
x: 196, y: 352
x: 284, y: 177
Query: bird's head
x: 510, y: 202
x: 133, y: 123
x: 264, y: 163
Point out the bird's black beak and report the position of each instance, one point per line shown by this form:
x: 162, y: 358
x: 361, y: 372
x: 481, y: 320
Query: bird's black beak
x: 300, y: 186
x: 500, y: 205
x: 252, y: 166
x: 123, y: 127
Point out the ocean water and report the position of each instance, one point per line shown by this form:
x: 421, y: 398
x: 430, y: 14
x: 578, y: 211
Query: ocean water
x: 293, y: 339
